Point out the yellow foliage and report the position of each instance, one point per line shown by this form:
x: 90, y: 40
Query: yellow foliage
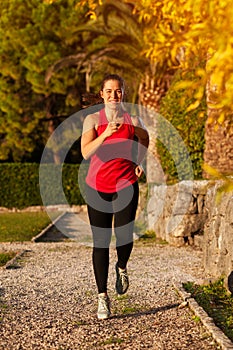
x: 193, y: 106
x: 221, y: 118
x: 184, y: 84
x: 198, y: 28
x: 199, y: 93
x: 215, y: 174
x: 227, y: 181
x: 49, y: 1
x: 92, y: 5
x: 201, y: 115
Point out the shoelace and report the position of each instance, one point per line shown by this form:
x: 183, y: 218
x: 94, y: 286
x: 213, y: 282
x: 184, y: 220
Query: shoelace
x: 124, y: 278
x: 103, y: 304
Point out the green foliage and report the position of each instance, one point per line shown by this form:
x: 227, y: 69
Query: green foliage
x: 34, y: 35
x: 20, y: 188
x: 6, y: 256
x: 114, y: 42
x: 188, y: 127
x: 19, y: 185
x: 51, y: 53
x: 73, y: 177
x: 148, y: 234
x: 216, y: 301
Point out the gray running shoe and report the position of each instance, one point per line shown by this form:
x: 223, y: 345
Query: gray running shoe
x: 103, y: 307
x: 122, y: 281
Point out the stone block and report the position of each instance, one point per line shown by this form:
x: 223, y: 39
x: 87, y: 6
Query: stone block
x: 197, y: 220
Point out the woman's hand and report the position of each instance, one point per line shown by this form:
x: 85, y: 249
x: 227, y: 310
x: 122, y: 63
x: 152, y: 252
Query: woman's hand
x: 110, y: 129
x: 139, y: 170
x: 90, y: 142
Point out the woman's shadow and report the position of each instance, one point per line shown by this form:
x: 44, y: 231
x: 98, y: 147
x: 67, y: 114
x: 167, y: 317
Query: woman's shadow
x: 147, y: 312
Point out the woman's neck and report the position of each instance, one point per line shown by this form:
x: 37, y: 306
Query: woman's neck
x: 113, y: 113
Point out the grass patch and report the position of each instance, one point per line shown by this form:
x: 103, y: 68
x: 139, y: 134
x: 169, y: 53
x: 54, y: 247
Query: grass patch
x: 5, y: 257
x: 112, y: 340
x: 149, y: 236
x: 216, y: 301
x: 80, y: 323
x: 19, y: 227
x: 122, y: 297
x: 127, y: 310
x: 3, y: 310
x: 196, y: 319
x: 145, y: 235
x: 124, y: 306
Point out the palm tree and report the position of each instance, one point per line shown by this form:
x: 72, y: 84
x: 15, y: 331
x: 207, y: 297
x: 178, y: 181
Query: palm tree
x: 218, y: 135
x: 115, y: 42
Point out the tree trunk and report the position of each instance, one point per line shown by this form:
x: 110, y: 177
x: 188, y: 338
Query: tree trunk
x: 218, y: 151
x: 55, y: 146
x: 150, y: 94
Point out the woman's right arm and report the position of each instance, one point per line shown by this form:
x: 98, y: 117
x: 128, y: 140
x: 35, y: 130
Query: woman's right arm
x: 90, y: 142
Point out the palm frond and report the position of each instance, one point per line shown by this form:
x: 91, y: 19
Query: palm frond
x: 69, y: 61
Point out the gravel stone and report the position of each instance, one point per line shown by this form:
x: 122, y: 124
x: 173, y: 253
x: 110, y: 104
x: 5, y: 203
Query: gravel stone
x: 49, y: 302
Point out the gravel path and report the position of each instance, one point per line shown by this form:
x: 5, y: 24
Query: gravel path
x: 48, y: 301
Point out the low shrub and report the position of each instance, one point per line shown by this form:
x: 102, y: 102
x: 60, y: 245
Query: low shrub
x: 176, y: 125
x: 20, y: 185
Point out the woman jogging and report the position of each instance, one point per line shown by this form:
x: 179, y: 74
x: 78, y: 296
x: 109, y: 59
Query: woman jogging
x: 111, y: 184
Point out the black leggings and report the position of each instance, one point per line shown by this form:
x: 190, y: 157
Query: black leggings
x: 103, y: 208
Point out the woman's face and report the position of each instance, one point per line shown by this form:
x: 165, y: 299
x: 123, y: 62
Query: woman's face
x: 112, y: 92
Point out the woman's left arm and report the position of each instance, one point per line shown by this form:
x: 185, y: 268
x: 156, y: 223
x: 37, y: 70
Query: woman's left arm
x: 143, y: 142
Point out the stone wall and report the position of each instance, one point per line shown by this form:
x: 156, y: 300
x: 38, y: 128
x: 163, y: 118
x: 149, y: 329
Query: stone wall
x: 177, y: 213
x: 188, y: 214
x: 218, y: 237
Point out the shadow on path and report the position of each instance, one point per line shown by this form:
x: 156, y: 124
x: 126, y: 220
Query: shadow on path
x: 147, y: 312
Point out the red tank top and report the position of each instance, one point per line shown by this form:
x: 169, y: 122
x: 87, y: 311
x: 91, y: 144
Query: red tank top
x: 111, y: 167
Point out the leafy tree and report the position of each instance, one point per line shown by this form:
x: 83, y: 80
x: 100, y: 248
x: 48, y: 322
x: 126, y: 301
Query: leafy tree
x: 181, y: 30
x: 187, y: 31
x: 75, y: 42
x: 75, y: 49
x: 189, y: 125
x: 33, y: 34
x: 115, y: 43
x: 118, y: 45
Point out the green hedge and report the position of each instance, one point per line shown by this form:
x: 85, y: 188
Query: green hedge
x: 188, y: 125
x: 20, y: 187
